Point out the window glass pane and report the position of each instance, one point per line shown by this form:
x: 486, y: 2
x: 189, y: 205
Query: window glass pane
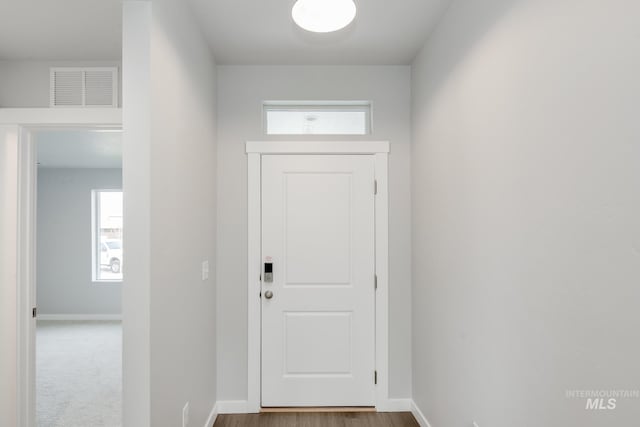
x: 317, y: 120
x: 108, y: 222
x: 114, y: 244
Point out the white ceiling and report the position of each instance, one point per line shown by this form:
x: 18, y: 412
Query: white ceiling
x: 79, y: 148
x: 239, y: 31
x: 60, y: 29
x: 262, y: 32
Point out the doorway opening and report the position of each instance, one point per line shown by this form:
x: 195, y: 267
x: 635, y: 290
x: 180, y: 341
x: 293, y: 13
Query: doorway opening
x: 79, y: 268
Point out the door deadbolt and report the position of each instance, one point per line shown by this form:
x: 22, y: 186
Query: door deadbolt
x: 268, y: 272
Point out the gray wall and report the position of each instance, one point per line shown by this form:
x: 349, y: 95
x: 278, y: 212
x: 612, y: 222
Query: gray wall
x: 169, y: 153
x: 26, y: 83
x: 525, y: 172
x: 242, y: 89
x: 64, y: 284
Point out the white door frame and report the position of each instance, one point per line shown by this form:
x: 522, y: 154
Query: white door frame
x: 25, y: 120
x: 255, y: 150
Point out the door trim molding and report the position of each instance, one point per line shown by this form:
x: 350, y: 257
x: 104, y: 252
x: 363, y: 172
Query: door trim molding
x: 255, y: 150
x: 27, y: 192
x: 317, y: 147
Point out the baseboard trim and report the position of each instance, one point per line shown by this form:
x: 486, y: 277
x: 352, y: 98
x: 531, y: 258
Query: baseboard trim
x: 395, y: 405
x: 233, y: 407
x: 419, y: 416
x: 212, y: 416
x: 79, y: 317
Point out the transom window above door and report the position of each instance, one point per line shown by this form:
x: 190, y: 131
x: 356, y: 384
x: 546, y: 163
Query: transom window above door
x: 317, y: 117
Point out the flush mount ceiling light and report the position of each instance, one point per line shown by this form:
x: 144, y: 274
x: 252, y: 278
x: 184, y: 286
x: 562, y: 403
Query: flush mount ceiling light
x: 323, y: 16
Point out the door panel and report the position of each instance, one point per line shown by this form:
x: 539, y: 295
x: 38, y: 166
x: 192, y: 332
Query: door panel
x: 317, y: 209
x: 318, y: 327
x: 304, y: 353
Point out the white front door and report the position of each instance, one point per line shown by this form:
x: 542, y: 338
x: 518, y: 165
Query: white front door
x: 318, y: 313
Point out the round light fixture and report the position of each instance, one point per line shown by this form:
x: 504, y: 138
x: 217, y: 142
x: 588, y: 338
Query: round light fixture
x: 323, y: 16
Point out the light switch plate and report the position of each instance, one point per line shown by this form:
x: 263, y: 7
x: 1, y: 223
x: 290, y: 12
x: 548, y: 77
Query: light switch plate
x: 205, y: 270
x: 475, y: 424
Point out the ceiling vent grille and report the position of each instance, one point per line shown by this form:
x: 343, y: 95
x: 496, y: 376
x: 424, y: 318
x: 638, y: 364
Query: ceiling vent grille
x: 84, y: 87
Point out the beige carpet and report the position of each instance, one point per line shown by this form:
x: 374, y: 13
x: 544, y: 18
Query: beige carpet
x: 79, y: 374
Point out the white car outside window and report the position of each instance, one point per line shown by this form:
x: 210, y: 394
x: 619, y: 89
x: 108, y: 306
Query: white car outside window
x: 111, y: 255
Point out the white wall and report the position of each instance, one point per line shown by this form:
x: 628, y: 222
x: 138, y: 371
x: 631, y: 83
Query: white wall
x: 242, y: 89
x: 526, y: 207
x: 169, y: 164
x: 8, y: 274
x: 26, y: 83
x: 64, y: 243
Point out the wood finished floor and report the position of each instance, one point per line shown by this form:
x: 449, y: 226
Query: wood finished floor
x: 326, y: 419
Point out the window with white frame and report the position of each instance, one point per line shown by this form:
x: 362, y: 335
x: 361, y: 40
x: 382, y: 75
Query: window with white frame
x: 106, y: 220
x: 317, y: 117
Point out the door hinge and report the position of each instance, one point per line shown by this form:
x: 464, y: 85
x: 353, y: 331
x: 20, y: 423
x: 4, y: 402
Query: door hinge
x: 375, y: 186
x: 34, y: 312
x: 375, y: 377
x: 375, y: 281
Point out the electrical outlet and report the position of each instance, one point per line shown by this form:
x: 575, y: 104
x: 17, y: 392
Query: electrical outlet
x: 205, y: 270
x: 185, y: 415
x: 475, y: 424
